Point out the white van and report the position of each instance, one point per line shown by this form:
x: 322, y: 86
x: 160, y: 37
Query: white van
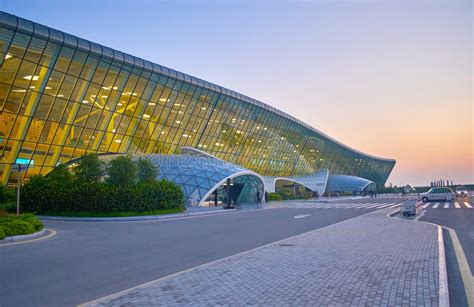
x: 438, y: 194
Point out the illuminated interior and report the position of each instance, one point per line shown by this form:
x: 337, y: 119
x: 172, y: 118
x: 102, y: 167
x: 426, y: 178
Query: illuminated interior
x: 62, y: 97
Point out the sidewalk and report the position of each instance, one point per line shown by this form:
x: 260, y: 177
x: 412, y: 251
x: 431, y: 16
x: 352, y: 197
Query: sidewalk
x: 368, y: 260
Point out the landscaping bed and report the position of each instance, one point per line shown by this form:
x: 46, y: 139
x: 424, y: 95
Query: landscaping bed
x: 12, y: 225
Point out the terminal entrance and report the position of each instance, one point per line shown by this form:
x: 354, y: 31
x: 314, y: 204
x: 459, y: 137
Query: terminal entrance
x: 245, y: 189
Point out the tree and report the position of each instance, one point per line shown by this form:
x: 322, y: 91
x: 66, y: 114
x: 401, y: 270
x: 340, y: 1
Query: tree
x: 122, y: 171
x: 61, y: 173
x: 89, y: 169
x: 146, y: 171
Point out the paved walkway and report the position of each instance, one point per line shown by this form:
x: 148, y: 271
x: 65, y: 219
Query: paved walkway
x: 369, y: 260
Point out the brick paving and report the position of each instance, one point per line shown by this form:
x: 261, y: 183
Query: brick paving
x: 370, y: 260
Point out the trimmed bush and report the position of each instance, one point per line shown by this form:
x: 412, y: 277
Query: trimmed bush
x: 23, y: 225
x: 61, y: 192
x: 274, y: 197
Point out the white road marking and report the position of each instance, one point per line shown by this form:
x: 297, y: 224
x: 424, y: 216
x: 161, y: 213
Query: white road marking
x: 435, y: 205
x: 387, y: 205
x: 426, y: 205
x: 456, y: 204
x: 446, y: 205
x: 467, y: 204
x: 300, y: 216
x: 394, y: 206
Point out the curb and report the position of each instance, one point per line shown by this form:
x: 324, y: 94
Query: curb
x: 39, y: 235
x: 23, y: 237
x: 130, y: 218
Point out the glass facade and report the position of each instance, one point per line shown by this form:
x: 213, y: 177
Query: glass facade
x: 62, y: 97
x: 199, y: 175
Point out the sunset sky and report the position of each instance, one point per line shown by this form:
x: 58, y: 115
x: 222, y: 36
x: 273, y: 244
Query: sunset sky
x: 389, y: 78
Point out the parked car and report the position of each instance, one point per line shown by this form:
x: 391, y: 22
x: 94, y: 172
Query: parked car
x: 443, y: 193
x: 461, y: 192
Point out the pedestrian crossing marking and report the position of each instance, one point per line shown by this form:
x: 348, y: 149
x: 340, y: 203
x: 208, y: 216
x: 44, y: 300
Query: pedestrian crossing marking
x: 374, y: 206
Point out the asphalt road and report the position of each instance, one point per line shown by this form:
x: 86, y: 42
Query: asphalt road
x: 85, y: 261
x: 462, y: 221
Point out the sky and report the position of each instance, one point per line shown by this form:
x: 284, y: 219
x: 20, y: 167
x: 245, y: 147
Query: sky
x: 389, y: 78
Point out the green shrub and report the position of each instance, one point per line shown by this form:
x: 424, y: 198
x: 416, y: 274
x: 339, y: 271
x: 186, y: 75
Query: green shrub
x: 8, y: 207
x: 24, y: 224
x: 122, y: 171
x: 7, y: 194
x: 59, y: 192
x: 89, y: 168
x: 274, y: 197
x: 146, y: 171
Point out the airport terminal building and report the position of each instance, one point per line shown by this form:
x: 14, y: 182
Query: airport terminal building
x: 63, y: 96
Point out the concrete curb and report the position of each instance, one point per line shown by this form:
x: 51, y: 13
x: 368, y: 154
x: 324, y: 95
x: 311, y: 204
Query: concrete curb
x: 45, y: 233
x: 131, y: 218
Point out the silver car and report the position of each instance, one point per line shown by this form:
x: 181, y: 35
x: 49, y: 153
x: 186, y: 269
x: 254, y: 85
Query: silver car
x: 441, y: 193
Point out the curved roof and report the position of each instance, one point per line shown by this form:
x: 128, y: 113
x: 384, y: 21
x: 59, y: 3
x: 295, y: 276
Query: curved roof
x: 346, y: 183
x: 26, y: 26
x: 316, y: 182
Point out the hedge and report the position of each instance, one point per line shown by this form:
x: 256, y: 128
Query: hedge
x: 274, y: 197
x: 42, y: 194
x: 24, y: 224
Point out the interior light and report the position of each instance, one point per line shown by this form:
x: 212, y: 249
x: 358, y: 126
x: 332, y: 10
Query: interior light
x: 258, y: 127
x: 113, y: 130
x: 48, y: 88
x: 60, y: 95
x: 185, y: 135
x: 146, y: 116
x: 106, y: 88
x: 162, y: 132
x: 32, y: 86
x: 115, y: 88
x: 34, y: 78
x: 152, y: 104
x: 118, y: 141
x: 8, y: 56
x: 203, y: 108
x: 178, y: 122
x: 104, y: 96
x: 85, y: 101
x: 163, y: 100
x: 119, y: 104
x: 19, y: 91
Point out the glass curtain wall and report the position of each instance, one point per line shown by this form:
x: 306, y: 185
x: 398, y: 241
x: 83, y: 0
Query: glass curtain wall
x: 62, y: 97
